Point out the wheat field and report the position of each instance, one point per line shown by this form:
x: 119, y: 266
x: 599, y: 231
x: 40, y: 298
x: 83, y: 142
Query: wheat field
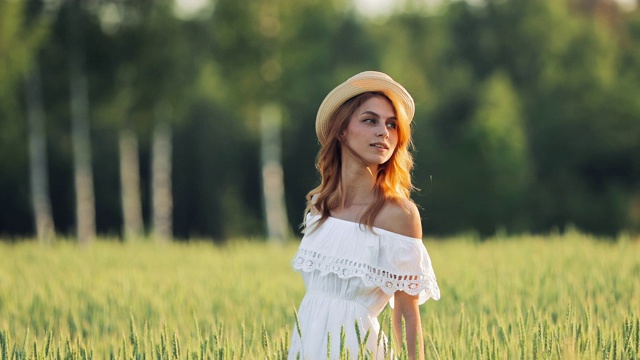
x: 561, y: 296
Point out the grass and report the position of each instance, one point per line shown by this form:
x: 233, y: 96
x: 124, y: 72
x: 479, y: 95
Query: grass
x: 564, y: 296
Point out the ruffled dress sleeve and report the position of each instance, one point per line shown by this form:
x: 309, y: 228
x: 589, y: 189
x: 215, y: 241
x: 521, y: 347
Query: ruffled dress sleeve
x: 381, y: 258
x: 406, y: 267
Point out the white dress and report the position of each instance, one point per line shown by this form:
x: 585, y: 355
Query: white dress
x: 350, y: 274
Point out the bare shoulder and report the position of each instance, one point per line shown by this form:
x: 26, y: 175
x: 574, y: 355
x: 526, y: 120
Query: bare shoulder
x: 401, y: 217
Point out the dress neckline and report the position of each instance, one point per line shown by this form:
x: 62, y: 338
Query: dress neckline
x: 377, y: 229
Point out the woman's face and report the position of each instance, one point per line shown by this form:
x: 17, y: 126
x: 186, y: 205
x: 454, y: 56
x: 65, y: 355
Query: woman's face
x: 372, y: 133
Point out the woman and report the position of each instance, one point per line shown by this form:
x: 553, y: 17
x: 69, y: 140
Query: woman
x: 362, y: 246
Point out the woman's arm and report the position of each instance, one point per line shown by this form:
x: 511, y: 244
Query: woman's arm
x: 404, y: 219
x: 406, y: 306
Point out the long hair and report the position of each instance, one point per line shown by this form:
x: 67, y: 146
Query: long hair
x: 393, y: 178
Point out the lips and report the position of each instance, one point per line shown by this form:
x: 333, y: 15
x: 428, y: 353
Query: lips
x: 380, y: 145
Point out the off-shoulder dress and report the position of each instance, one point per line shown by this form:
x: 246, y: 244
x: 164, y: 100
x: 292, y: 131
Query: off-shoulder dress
x: 350, y: 274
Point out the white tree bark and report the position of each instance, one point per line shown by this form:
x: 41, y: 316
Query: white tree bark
x: 38, y: 162
x: 273, y: 188
x: 83, y: 175
x: 161, y: 194
x: 130, y: 184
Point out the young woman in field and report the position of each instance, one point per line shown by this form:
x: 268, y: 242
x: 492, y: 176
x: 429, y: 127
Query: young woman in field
x: 362, y: 246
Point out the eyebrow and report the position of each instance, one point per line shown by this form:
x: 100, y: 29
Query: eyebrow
x: 372, y: 113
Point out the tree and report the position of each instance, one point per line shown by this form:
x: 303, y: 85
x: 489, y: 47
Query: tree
x: 498, y: 132
x: 272, y: 174
x: 20, y: 40
x: 273, y: 188
x: 45, y: 228
x: 167, y: 70
x: 120, y: 109
x: 152, y: 71
x: 261, y: 64
x: 122, y: 28
x: 162, y: 199
x: 83, y: 174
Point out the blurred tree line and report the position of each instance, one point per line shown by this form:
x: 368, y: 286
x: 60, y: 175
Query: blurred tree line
x: 122, y: 117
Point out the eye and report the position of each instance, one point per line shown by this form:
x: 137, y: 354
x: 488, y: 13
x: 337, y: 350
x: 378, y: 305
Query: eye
x: 369, y: 120
x: 392, y: 124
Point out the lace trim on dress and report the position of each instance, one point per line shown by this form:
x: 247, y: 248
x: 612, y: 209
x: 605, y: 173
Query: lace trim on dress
x: 414, y: 284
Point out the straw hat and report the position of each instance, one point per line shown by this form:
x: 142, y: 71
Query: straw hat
x: 360, y: 83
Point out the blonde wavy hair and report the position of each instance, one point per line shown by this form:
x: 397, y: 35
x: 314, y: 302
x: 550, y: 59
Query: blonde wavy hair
x: 393, y: 178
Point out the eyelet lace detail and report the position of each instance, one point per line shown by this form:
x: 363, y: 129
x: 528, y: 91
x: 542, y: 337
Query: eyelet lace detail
x: 413, y: 284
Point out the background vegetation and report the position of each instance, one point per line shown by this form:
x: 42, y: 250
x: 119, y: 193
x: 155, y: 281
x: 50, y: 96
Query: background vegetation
x: 527, y: 111
x: 567, y: 296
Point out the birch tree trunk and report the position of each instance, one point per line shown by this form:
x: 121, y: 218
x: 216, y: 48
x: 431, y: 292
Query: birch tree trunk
x: 130, y: 184
x: 161, y: 194
x: 275, y: 211
x: 38, y: 162
x: 83, y: 175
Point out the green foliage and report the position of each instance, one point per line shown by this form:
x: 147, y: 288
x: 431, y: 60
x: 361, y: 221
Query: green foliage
x: 562, y: 63
x: 19, y: 41
x: 561, y: 296
x: 497, y: 131
x: 527, y: 111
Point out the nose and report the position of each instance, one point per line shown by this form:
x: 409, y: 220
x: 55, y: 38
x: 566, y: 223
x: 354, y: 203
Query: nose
x: 383, y: 131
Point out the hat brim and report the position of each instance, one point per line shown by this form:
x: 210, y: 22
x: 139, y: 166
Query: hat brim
x: 367, y: 81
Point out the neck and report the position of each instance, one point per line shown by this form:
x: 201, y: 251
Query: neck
x: 358, y: 182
